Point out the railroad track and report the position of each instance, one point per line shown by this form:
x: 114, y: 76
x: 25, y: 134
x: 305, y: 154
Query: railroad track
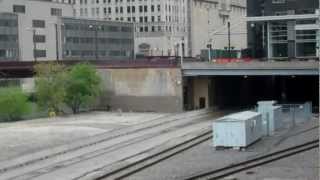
x: 99, y: 140
x: 99, y: 151
x: 255, y: 162
x: 129, y: 169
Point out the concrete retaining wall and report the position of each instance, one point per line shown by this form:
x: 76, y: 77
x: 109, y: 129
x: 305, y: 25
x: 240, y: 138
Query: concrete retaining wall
x: 152, y: 89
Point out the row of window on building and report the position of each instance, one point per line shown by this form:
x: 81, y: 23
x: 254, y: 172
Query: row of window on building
x: 8, y: 53
x: 161, y: 29
x: 22, y: 9
x: 90, y: 53
x: 89, y: 40
x: 107, y: 11
x: 99, y: 28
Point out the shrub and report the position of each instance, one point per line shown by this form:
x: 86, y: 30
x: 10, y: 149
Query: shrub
x: 82, y: 87
x: 50, y: 83
x: 13, y: 104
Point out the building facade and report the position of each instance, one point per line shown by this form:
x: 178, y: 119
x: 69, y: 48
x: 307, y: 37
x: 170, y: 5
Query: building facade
x: 37, y: 27
x: 160, y: 25
x: 87, y: 39
x: 209, y: 24
x: 283, y: 28
x: 36, y: 30
x: 9, y: 46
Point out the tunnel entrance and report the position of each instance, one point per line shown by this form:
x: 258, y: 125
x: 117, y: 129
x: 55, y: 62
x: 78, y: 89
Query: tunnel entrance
x: 230, y: 92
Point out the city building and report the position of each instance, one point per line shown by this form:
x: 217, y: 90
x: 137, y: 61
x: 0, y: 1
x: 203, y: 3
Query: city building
x: 36, y: 30
x: 163, y: 26
x: 209, y: 24
x: 37, y: 27
x: 86, y: 39
x: 9, y: 46
x: 283, y: 28
x: 160, y: 25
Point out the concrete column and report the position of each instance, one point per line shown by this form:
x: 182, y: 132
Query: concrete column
x: 201, y: 92
x: 291, y: 39
x: 269, y: 45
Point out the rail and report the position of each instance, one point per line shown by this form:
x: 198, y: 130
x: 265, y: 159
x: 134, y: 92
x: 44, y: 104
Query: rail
x: 255, y: 162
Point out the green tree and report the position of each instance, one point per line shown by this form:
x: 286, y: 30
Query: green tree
x: 82, y: 87
x: 50, y: 83
x: 13, y: 104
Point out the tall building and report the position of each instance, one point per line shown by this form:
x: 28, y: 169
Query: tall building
x: 283, y: 28
x: 46, y: 30
x: 209, y: 24
x: 160, y: 25
x: 9, y: 46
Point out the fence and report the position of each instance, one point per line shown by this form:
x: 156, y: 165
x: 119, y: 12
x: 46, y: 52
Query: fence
x: 296, y: 113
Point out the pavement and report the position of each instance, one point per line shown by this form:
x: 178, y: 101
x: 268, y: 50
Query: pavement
x: 24, y: 137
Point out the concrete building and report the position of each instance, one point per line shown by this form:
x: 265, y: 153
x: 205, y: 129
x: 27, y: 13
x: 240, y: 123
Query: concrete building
x: 9, y: 47
x: 283, y: 28
x: 37, y: 26
x: 160, y: 24
x: 209, y: 24
x: 85, y: 39
x: 46, y: 30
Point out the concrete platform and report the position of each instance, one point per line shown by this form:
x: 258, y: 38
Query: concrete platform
x: 20, y: 138
x: 203, y: 158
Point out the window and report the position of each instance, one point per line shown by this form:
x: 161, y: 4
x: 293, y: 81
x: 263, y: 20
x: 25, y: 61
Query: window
x: 56, y: 12
x: 40, y: 53
x: 38, y: 24
x: 19, y: 9
x: 278, y: 1
x: 126, y: 29
x: 39, y: 38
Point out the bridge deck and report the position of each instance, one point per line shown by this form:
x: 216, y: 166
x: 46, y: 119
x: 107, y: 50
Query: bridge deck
x: 251, y: 68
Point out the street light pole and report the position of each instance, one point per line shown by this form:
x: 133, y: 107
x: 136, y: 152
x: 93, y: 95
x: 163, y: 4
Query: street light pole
x: 93, y: 27
x: 96, y: 42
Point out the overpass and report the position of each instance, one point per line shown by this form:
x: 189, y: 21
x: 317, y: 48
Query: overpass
x: 24, y: 69
x: 236, y: 84
x: 254, y: 68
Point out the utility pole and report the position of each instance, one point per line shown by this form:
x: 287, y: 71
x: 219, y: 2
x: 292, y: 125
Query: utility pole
x: 229, y: 40
x: 209, y: 46
x: 34, y: 44
x: 57, y: 43
x: 182, y: 51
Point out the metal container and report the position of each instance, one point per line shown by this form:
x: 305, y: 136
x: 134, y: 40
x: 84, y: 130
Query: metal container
x: 271, y: 117
x: 237, y: 130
